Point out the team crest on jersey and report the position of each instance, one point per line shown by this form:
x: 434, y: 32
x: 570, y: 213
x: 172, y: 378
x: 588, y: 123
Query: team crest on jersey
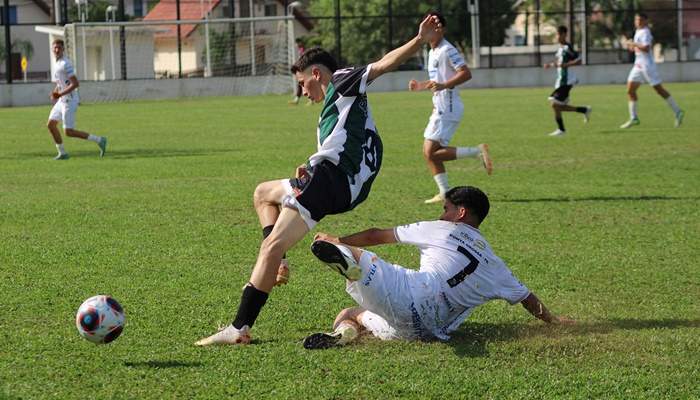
x: 436, y: 63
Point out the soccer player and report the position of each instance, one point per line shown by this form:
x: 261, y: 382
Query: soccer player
x: 446, y: 71
x: 566, y: 57
x: 67, y: 102
x: 458, y: 272
x: 335, y: 179
x: 645, y: 69
x: 300, y: 49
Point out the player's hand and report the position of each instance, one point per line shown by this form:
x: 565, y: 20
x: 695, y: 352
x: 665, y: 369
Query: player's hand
x: 435, y: 87
x: 547, y: 66
x: 54, y: 95
x: 326, y: 237
x: 429, y: 29
x: 413, y: 85
x: 301, y: 172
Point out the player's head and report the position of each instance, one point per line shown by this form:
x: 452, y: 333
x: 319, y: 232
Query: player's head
x: 299, y: 42
x: 438, y: 15
x: 640, y: 20
x: 472, y: 199
x: 562, y: 31
x: 314, y: 70
x: 440, y: 18
x: 57, y: 48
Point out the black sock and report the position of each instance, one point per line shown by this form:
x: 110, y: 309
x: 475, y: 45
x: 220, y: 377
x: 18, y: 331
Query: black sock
x: 266, y: 232
x: 560, y: 122
x: 581, y: 110
x: 252, y: 301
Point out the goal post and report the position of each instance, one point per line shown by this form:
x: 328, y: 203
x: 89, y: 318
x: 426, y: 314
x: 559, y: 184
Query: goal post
x: 252, y: 54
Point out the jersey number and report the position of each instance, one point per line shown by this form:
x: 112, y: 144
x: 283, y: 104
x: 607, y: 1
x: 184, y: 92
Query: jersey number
x: 468, y: 270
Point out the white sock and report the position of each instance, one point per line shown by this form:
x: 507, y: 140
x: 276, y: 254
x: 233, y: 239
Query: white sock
x: 296, y: 99
x: 94, y: 138
x: 672, y: 103
x: 633, y: 109
x: 61, y: 149
x: 465, y: 152
x: 442, y: 182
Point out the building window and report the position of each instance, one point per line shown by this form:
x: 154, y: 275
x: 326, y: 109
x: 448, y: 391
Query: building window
x: 13, y: 15
x: 270, y: 10
x: 138, y: 8
x: 244, y: 7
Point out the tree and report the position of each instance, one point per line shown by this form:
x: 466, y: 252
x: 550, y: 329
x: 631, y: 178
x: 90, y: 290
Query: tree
x: 19, y: 45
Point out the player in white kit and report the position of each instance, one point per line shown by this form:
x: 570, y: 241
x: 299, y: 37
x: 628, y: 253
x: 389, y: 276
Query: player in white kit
x: 446, y: 71
x: 67, y: 102
x: 458, y: 272
x: 645, y: 70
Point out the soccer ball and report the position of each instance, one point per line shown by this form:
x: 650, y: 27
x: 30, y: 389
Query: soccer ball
x: 100, y: 319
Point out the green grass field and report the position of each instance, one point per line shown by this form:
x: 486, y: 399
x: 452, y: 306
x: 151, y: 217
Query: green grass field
x: 603, y: 224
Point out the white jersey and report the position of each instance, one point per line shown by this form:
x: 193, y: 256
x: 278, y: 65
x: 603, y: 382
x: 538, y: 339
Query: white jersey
x: 443, y: 63
x: 465, y: 274
x: 63, y: 70
x: 643, y: 37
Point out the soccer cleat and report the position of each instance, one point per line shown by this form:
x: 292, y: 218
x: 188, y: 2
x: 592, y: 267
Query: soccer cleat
x: 439, y: 198
x: 484, y: 157
x: 340, y: 337
x: 228, y: 335
x: 632, y: 122
x: 103, y: 146
x: 293, y: 102
x: 679, y: 118
x: 587, y: 116
x: 339, y: 258
x: 282, y: 273
x: 61, y: 157
x: 558, y: 132
x: 311, y: 103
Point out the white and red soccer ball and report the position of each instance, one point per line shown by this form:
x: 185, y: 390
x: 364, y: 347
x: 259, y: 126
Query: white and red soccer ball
x: 100, y: 319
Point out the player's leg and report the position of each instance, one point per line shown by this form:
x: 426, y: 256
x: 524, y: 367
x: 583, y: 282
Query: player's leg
x: 670, y: 101
x: 267, y: 199
x: 69, y: 124
x: 346, y: 327
x: 633, y: 81
x: 288, y: 231
x: 52, y: 125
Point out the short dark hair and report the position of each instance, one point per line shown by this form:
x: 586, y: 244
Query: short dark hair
x: 471, y: 198
x: 440, y: 17
x: 562, y: 29
x: 58, y: 41
x: 313, y: 56
x: 643, y: 15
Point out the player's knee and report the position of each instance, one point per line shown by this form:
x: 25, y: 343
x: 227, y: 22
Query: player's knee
x: 261, y: 195
x: 70, y: 132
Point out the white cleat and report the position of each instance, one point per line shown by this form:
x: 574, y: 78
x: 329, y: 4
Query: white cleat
x: 587, y: 116
x: 484, y: 157
x: 439, y: 198
x: 339, y: 258
x: 341, y: 337
x: 558, y: 132
x: 228, y: 335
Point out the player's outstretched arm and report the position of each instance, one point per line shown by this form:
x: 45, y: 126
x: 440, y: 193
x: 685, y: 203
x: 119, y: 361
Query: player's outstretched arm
x: 369, y: 237
x: 535, y: 307
x: 427, y: 31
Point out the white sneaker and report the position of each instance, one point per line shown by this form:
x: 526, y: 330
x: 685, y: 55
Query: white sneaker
x: 484, y: 157
x: 339, y: 258
x: 629, y: 123
x: 679, y: 118
x: 282, y: 273
x: 558, y: 132
x: 587, y: 116
x: 439, y: 198
x: 228, y: 335
x: 344, y: 335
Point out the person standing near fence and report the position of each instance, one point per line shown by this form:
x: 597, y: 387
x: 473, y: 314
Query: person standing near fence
x: 566, y: 57
x: 67, y: 101
x: 446, y: 71
x: 300, y: 49
x: 645, y: 69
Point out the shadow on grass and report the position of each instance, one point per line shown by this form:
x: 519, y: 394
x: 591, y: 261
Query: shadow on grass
x: 595, y: 198
x: 472, y: 339
x: 162, y: 364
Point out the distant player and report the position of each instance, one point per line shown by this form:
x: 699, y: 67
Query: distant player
x: 645, y: 70
x: 67, y: 102
x: 566, y: 57
x: 300, y: 50
x: 336, y: 179
x: 458, y: 272
x: 446, y: 71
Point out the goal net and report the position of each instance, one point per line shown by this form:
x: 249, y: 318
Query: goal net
x: 241, y: 56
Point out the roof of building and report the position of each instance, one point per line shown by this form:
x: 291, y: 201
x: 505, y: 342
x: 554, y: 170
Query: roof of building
x: 166, y: 10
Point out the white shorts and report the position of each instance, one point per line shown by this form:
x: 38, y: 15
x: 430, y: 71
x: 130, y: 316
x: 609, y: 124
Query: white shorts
x: 650, y: 74
x: 64, y: 112
x: 440, y: 130
x: 385, y: 293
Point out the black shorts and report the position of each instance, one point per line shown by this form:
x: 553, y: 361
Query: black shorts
x: 561, y: 94
x: 327, y: 192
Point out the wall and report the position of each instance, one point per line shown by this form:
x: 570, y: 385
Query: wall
x: 34, y: 94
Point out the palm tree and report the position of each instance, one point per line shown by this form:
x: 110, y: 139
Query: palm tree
x: 19, y: 45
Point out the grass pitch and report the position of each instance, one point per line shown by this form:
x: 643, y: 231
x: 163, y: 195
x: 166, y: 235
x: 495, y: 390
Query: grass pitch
x: 602, y: 224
